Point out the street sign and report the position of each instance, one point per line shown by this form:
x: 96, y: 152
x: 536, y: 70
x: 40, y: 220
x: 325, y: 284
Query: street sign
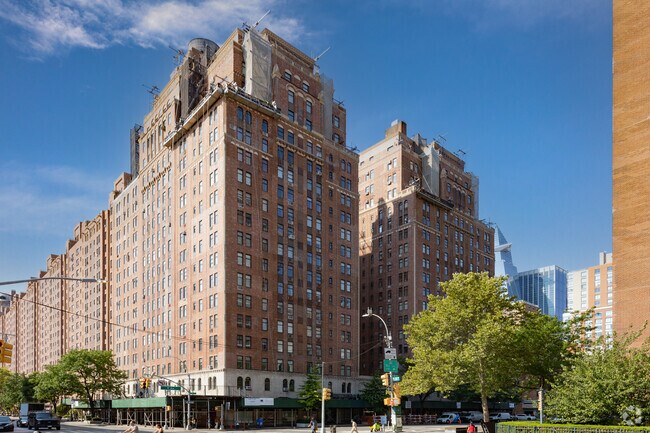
x: 170, y: 388
x: 390, y: 353
x: 391, y: 366
x: 397, y: 378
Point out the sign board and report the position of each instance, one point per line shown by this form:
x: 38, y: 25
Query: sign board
x: 384, y: 420
x: 458, y: 404
x: 391, y: 366
x: 390, y: 353
x: 396, y: 378
x: 511, y: 405
x: 170, y: 388
x: 258, y: 401
x: 407, y: 404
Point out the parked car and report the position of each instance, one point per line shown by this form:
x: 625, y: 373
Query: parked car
x: 448, y: 418
x: 524, y: 417
x: 22, y: 421
x: 38, y: 420
x: 6, y: 424
x: 501, y: 416
x: 473, y: 416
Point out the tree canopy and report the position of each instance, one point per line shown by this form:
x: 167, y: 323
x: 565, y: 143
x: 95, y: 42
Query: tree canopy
x: 466, y: 337
x: 88, y: 373
x: 311, y: 391
x: 603, y: 384
x: 374, y: 393
x: 14, y: 389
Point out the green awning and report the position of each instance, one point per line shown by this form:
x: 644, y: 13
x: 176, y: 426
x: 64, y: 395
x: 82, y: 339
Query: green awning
x: 132, y: 403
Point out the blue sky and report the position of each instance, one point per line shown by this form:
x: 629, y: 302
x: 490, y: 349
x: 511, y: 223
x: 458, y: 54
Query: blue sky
x: 522, y: 87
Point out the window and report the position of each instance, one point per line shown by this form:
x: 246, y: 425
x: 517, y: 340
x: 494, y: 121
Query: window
x: 305, y: 87
x: 287, y: 75
x: 290, y: 97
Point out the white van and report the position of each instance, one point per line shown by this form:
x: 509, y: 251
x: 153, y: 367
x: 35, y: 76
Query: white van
x: 501, y: 416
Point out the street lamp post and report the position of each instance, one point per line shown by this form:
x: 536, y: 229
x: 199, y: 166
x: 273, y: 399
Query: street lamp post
x: 395, y: 418
x: 82, y: 280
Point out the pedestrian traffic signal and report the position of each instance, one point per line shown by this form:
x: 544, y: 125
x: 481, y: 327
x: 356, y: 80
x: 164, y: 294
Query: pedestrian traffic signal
x: 327, y: 394
x: 5, y: 352
x: 397, y: 391
x: 385, y: 379
x: 387, y: 401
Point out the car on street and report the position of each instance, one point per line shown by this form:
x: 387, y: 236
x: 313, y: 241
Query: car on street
x: 39, y: 420
x: 473, y: 416
x: 6, y: 424
x: 22, y: 421
x: 524, y: 417
x: 448, y: 418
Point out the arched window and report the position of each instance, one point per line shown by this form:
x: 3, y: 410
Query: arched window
x: 292, y: 385
x: 240, y: 114
x: 343, y: 388
x: 284, y: 385
x: 199, y: 383
x: 240, y: 382
x: 329, y: 385
x: 247, y: 383
x: 349, y: 387
x: 267, y: 384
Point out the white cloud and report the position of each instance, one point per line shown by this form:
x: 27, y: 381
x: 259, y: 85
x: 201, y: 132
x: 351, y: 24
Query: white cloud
x: 48, y: 200
x: 47, y: 26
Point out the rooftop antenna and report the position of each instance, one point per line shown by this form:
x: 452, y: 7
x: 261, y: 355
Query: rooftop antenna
x: 460, y: 152
x: 178, y: 57
x: 152, y: 90
x: 442, y: 137
x: 321, y: 54
x: 257, y: 23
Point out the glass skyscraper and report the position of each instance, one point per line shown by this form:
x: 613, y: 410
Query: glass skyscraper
x: 545, y: 287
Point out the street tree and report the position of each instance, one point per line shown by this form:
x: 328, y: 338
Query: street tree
x: 12, y: 390
x: 51, y: 384
x: 88, y: 373
x: 417, y: 381
x: 311, y: 391
x: 374, y: 393
x: 466, y: 337
x: 603, y: 383
x: 546, y: 345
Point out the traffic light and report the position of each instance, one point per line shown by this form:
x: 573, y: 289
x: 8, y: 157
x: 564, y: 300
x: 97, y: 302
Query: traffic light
x: 148, y: 382
x: 327, y: 394
x: 397, y: 391
x: 5, y: 352
x: 143, y: 383
x: 385, y: 379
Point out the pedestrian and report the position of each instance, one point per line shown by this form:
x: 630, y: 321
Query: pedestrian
x: 354, y: 427
x: 158, y: 429
x: 133, y: 428
x: 471, y: 428
x: 313, y: 424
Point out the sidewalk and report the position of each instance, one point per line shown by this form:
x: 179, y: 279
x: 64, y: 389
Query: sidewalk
x: 427, y: 428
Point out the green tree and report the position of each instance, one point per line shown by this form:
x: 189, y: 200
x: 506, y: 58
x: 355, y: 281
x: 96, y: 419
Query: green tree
x: 50, y: 385
x: 417, y: 381
x: 547, y: 345
x: 374, y: 393
x: 311, y: 391
x: 88, y: 373
x: 466, y: 337
x: 602, y: 383
x: 12, y: 387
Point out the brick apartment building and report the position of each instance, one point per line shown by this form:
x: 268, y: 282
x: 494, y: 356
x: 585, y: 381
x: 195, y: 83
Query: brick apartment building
x: 233, y: 246
x: 631, y: 165
x: 419, y: 224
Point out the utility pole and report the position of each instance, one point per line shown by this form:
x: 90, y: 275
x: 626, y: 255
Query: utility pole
x: 322, y: 400
x: 390, y: 357
x: 189, y: 393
